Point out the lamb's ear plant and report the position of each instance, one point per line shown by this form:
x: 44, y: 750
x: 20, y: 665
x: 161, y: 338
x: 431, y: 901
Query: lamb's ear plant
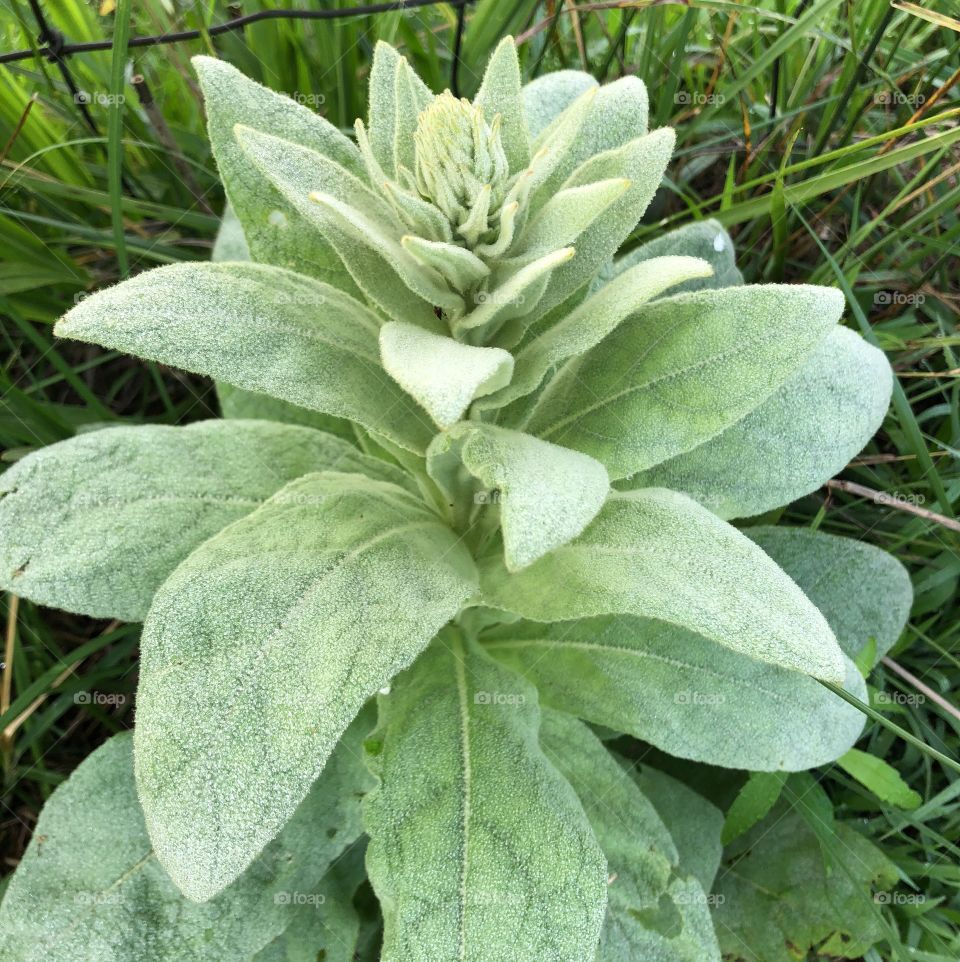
x: 478, y: 499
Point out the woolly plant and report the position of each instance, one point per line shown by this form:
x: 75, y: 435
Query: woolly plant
x: 467, y: 516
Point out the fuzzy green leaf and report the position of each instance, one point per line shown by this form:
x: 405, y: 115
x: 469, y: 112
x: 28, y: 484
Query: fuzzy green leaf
x: 707, y: 240
x: 680, y: 371
x: 512, y: 298
x: 326, y: 928
x: 863, y: 591
x: 383, y: 105
x: 412, y: 96
x: 547, y: 494
x: 277, y: 234
x: 90, y: 888
x: 681, y: 692
x: 260, y: 649
x: 803, y: 434
x: 545, y: 98
x: 443, y: 375
x: 236, y: 403
x: 561, y: 221
x: 275, y: 332
x: 478, y: 848
x: 96, y: 523
x: 587, y: 325
x: 661, y: 555
x: 652, y: 912
x: 642, y: 162
x: 381, y: 268
x: 693, y: 822
x: 617, y: 116
x: 500, y: 93
x: 230, y: 243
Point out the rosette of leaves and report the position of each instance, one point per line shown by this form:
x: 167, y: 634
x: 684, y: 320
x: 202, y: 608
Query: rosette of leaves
x: 479, y: 468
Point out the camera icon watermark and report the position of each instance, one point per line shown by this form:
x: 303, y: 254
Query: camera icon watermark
x: 899, y: 898
x: 100, y: 98
x: 899, y: 698
x: 893, y: 97
x: 103, y: 699
x: 299, y: 898
x: 898, y: 299
x: 697, y: 98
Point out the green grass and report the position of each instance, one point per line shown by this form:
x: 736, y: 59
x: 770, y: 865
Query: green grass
x: 827, y: 143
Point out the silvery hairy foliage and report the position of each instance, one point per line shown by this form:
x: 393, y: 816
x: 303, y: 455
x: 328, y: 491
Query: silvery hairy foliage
x: 468, y: 513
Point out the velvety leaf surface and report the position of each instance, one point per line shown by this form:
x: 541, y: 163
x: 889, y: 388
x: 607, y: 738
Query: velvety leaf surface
x: 96, y: 523
x: 804, y: 433
x: 276, y: 233
x: 479, y: 849
x: 693, y: 822
x: 706, y: 240
x: 546, y: 494
x: 260, y: 649
x: 591, y: 321
x: 90, y: 889
x: 500, y: 93
x: 862, y: 590
x: 661, y: 555
x: 780, y: 900
x: 443, y: 375
x: 277, y: 333
x: 653, y: 912
x: 546, y: 97
x: 681, y: 370
x: 325, y: 928
x: 682, y: 692
x: 617, y: 116
x: 235, y: 402
x: 230, y: 243
x: 642, y: 161
x: 355, y: 221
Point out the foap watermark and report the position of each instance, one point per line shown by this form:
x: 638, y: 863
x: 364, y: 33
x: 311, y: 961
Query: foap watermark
x: 308, y: 99
x: 98, y: 898
x: 488, y: 497
x: 900, y: 698
x: 99, y: 98
x: 899, y: 898
x: 898, y: 97
x: 498, y: 698
x: 897, y: 299
x: 697, y: 98
x: 699, y: 698
x: 498, y: 298
x: 299, y: 898
x: 698, y: 897
x: 103, y: 699
x: 900, y: 497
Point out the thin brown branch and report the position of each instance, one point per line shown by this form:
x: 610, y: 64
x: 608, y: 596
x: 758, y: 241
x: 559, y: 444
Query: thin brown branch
x: 901, y: 504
